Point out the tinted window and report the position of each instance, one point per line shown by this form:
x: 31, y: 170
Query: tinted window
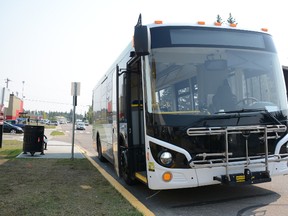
x: 209, y: 37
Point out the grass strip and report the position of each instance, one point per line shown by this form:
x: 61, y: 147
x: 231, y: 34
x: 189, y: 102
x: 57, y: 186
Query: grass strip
x: 57, y: 133
x: 55, y: 187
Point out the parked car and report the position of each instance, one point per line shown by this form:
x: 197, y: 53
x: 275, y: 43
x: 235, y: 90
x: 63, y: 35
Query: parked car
x: 43, y: 121
x: 56, y: 123
x: 16, y: 123
x: 80, y: 126
x: 9, y: 128
x: 63, y: 122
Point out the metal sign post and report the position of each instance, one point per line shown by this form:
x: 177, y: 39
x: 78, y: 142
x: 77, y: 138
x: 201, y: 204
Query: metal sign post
x: 75, y: 91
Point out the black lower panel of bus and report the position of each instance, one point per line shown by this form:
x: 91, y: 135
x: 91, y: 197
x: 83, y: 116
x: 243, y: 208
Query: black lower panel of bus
x: 247, y: 177
x: 138, y: 155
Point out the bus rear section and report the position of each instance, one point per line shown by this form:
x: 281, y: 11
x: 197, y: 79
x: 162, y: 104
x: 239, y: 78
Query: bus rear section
x: 194, y: 106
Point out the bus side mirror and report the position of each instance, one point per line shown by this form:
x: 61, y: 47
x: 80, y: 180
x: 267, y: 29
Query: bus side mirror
x: 141, y: 40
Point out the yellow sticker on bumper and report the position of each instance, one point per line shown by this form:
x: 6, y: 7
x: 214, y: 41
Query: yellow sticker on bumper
x: 151, y: 166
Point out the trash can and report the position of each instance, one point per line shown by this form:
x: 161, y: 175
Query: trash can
x: 33, y: 139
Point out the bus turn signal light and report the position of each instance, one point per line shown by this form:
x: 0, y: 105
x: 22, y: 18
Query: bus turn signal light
x: 167, y: 176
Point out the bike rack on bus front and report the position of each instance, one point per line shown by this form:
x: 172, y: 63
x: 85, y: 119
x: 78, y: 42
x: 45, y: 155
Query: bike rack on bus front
x: 229, y: 162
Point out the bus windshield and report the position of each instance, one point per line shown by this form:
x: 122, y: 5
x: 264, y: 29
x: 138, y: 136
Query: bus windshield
x: 208, y: 80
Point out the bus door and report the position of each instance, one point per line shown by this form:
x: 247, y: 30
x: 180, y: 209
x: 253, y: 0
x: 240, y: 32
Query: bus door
x: 131, y: 131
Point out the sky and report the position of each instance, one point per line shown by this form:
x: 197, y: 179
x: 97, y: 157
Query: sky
x: 45, y: 45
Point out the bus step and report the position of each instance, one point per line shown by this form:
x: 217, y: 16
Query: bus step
x: 142, y: 176
x: 247, y: 177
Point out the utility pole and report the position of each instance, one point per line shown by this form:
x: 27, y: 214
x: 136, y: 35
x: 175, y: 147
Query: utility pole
x: 7, y: 82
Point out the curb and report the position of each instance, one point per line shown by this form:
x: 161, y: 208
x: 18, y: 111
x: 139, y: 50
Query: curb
x: 123, y: 191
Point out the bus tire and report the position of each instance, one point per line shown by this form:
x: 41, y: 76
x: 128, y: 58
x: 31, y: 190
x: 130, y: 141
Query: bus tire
x: 99, y: 150
x: 124, y: 169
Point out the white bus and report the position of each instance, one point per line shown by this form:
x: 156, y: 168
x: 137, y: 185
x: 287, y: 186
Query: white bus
x: 193, y: 105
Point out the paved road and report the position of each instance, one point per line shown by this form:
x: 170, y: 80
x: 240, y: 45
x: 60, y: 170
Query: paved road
x: 262, y: 199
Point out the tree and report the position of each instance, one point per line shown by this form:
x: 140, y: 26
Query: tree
x: 44, y: 115
x: 89, y: 114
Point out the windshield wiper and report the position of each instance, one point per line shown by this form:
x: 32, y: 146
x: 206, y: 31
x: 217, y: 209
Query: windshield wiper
x: 241, y: 111
x: 251, y: 110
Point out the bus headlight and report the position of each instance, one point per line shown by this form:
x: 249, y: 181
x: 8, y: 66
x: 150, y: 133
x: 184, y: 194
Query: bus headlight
x: 166, y: 158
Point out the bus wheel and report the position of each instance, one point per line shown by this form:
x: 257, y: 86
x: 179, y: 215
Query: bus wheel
x: 125, y: 169
x: 99, y: 150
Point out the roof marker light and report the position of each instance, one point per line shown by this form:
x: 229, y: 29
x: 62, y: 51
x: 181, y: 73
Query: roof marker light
x: 264, y: 29
x: 158, y: 22
x: 201, y: 22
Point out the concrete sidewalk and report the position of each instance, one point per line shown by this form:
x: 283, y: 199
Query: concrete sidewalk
x: 56, y: 149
